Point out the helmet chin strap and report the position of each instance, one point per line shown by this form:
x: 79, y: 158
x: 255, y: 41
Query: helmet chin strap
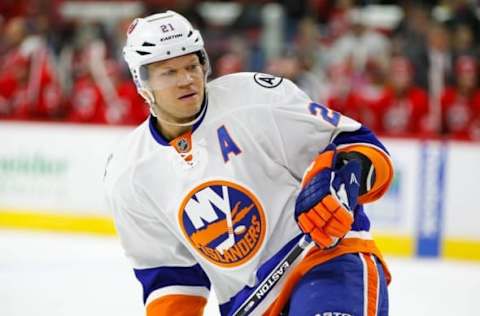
x: 148, y: 95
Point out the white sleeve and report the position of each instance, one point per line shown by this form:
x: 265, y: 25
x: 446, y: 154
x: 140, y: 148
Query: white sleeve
x: 161, y: 262
x: 304, y: 128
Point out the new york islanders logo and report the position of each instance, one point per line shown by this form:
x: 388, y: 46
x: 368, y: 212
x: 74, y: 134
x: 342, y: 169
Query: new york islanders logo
x: 224, y: 222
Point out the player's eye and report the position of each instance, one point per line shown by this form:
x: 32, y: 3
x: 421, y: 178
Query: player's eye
x: 168, y: 73
x: 193, y: 67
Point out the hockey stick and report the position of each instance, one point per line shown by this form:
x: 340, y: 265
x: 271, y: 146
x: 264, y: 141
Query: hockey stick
x: 273, y: 278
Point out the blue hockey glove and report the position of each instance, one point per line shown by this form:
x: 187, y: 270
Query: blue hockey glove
x: 329, y: 194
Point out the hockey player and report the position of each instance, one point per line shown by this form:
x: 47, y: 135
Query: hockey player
x: 220, y: 186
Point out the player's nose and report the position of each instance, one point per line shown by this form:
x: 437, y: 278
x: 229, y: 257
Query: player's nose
x: 184, y: 78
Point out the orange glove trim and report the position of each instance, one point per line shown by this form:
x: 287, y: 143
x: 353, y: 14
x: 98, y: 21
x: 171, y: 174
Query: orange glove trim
x: 322, y: 161
x: 383, y: 171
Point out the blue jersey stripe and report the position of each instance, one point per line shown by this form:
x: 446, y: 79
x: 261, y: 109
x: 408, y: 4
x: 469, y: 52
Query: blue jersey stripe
x: 230, y: 306
x: 155, y: 278
x: 362, y: 135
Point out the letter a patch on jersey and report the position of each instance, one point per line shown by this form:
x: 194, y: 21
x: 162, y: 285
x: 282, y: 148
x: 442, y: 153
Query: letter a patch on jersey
x: 267, y: 81
x: 227, y: 145
x: 223, y: 221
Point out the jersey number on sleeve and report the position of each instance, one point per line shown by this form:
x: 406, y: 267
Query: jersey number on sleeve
x: 325, y: 113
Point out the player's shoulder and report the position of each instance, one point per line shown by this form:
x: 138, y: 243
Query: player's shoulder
x: 248, y: 80
x: 126, y: 154
x: 249, y: 84
x: 249, y: 90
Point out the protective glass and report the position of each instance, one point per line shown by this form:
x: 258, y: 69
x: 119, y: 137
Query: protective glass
x: 163, y: 77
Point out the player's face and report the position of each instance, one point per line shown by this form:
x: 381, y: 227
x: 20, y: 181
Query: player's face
x: 178, y: 86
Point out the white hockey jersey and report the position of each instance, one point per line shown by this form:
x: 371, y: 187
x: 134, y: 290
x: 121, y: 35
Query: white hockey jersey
x: 222, y: 213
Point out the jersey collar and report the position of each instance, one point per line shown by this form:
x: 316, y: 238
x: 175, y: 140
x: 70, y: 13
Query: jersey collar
x: 160, y: 139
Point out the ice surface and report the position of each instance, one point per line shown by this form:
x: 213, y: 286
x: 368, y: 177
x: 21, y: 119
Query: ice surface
x: 46, y: 274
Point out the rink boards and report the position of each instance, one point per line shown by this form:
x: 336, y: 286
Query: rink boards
x: 51, y: 179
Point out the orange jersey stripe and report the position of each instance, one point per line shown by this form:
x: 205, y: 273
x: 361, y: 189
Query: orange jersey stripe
x: 372, y: 285
x: 383, y: 171
x: 317, y: 256
x: 178, y: 305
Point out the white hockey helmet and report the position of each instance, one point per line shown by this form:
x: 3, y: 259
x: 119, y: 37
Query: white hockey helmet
x: 159, y: 37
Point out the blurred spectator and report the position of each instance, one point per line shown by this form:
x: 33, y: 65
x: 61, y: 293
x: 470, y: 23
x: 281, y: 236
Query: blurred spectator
x: 249, y: 25
x: 461, y: 102
x: 229, y: 63
x: 372, y: 95
x: 31, y: 88
x: 86, y: 102
x: 463, y: 41
x: 309, y: 49
x: 13, y: 8
x: 13, y: 85
x: 45, y: 93
x: 14, y: 67
x: 102, y: 95
x: 14, y: 33
x: 461, y: 12
x: 290, y: 66
x: 127, y: 107
x: 324, y: 10
x: 341, y: 96
x: 295, y: 11
x: 439, y: 70
x: 339, y: 20
x: 411, y: 33
x: 433, y: 61
x: 405, y: 105
x: 360, y: 44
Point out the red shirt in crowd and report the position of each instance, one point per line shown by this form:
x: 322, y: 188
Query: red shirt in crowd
x: 403, y: 115
x: 29, y: 87
x: 90, y: 105
x: 347, y: 104
x: 86, y: 102
x: 460, y: 113
x: 461, y: 103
